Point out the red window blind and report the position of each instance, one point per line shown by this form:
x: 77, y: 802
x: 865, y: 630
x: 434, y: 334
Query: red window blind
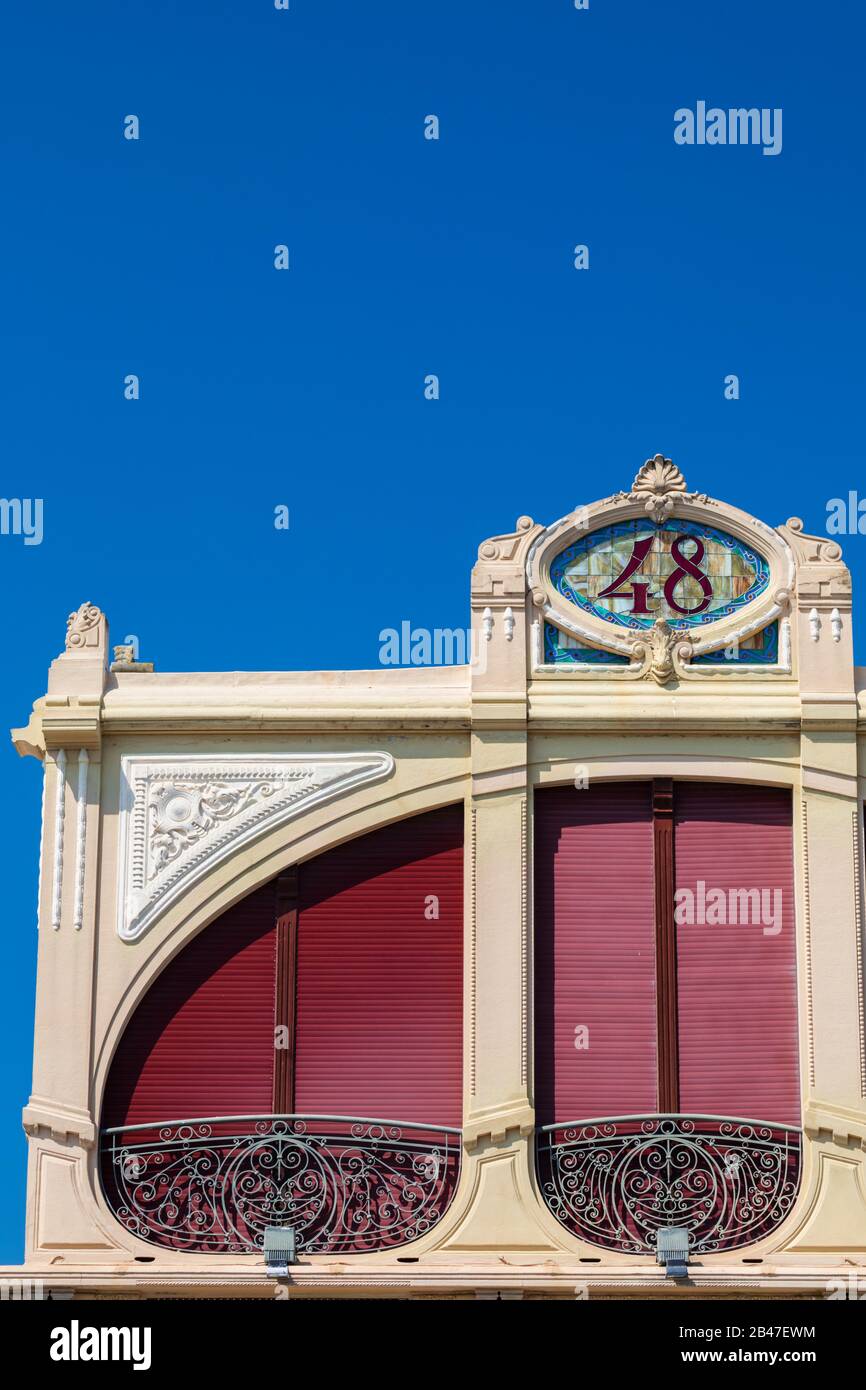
x: 379, y: 974
x: 595, y: 952
x: 377, y: 966
x: 737, y: 980
x: 201, y: 1042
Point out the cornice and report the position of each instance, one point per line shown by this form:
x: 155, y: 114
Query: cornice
x: 643, y: 707
x: 348, y: 720
x: 416, y: 699
x: 438, y: 1276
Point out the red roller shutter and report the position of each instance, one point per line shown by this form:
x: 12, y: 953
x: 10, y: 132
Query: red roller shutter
x: 737, y: 985
x: 201, y: 1043
x: 379, y: 978
x: 595, y: 951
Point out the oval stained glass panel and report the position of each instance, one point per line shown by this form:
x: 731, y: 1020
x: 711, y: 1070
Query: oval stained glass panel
x: 633, y: 572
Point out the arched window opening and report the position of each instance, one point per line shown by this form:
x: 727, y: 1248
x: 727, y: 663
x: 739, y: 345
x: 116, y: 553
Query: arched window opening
x: 299, y: 1063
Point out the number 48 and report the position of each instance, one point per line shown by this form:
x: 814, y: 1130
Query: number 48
x: 687, y: 567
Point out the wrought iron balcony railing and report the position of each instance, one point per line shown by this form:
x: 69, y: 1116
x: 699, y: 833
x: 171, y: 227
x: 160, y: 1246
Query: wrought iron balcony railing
x: 346, y: 1186
x: 617, y: 1182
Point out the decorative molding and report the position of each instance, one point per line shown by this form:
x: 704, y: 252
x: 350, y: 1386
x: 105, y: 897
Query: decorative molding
x: 524, y: 947
x: 59, y: 814
x: 667, y: 1011
x: 82, y: 627
x: 41, y: 843
x: 81, y: 845
x: 807, y: 923
x: 182, y: 816
x: 473, y: 948
x: 60, y: 761
x: 858, y: 944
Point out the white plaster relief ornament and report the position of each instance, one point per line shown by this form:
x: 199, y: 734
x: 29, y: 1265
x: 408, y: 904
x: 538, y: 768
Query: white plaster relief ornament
x: 182, y: 816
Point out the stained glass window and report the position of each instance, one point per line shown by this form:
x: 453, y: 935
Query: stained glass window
x: 561, y: 649
x: 633, y: 572
x: 761, y: 649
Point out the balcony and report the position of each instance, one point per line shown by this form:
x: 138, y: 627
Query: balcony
x: 346, y: 1186
x: 616, y: 1182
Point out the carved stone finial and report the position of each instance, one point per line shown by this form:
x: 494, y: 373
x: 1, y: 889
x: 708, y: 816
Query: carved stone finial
x: 662, y: 651
x: 82, y: 628
x: 657, y: 485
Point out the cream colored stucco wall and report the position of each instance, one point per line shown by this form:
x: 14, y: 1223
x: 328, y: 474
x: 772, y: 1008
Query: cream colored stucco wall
x: 486, y: 736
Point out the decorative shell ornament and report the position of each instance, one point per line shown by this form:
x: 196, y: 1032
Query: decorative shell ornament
x: 657, y: 485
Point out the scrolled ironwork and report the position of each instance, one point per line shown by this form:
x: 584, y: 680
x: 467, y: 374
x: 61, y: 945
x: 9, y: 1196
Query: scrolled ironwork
x: 615, y: 1183
x: 346, y: 1186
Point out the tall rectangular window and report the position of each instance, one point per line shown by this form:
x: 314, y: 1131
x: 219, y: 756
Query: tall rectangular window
x: 736, y: 957
x: 595, y: 965
x: 665, y: 952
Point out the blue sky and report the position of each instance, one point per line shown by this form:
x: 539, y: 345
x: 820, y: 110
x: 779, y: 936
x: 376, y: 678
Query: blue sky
x: 408, y: 257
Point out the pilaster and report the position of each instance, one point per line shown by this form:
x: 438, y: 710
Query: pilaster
x: 66, y: 732
x: 828, y: 820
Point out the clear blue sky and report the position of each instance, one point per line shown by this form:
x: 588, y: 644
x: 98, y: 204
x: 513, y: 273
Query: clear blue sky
x: 408, y: 257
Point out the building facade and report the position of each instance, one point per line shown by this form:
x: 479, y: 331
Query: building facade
x: 475, y: 980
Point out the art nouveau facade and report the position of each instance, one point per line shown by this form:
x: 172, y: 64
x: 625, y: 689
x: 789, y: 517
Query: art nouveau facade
x: 474, y: 979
